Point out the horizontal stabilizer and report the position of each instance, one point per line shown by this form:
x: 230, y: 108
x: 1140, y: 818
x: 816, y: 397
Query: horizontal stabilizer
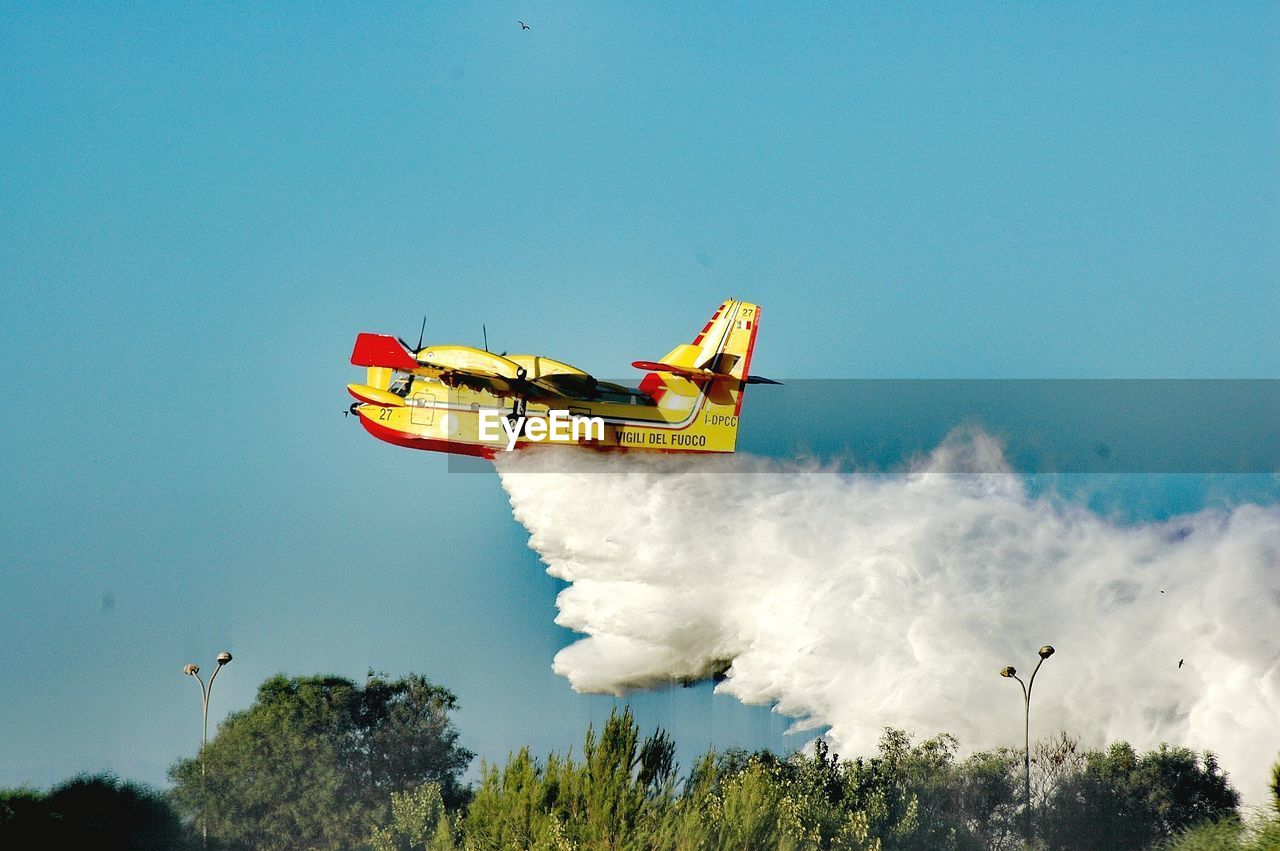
x: 689, y: 372
x: 760, y: 379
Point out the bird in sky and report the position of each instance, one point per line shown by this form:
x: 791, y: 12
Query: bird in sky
x: 523, y: 25
x: 1180, y: 661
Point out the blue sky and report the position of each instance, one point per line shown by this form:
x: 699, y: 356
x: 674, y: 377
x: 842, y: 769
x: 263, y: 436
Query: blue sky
x: 200, y: 206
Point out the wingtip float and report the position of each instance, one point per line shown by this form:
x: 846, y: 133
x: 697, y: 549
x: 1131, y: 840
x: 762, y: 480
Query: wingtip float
x: 468, y: 401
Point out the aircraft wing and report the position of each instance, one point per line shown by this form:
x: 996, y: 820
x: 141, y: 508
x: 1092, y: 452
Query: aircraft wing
x: 475, y: 369
x: 478, y: 381
x: 531, y: 378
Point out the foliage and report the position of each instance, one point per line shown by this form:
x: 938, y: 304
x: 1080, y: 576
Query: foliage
x: 90, y: 811
x: 623, y: 795
x: 315, y: 761
x: 419, y: 822
x: 615, y: 794
x: 1259, y: 833
x: 908, y: 796
x: 1123, y: 800
x: 321, y: 763
x: 920, y: 797
x: 1275, y: 787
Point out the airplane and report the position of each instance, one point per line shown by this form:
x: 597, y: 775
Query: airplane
x: 468, y: 401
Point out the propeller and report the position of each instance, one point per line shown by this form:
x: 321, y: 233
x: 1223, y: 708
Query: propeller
x: 421, y: 334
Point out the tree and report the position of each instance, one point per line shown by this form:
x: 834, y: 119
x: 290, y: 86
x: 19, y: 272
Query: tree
x: 419, y: 822
x: 1275, y: 787
x: 918, y: 796
x: 314, y: 762
x: 908, y: 797
x: 91, y: 811
x: 613, y: 798
x: 622, y: 795
x: 1122, y: 800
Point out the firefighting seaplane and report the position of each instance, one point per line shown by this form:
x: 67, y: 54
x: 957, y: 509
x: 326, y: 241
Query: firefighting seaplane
x: 469, y: 401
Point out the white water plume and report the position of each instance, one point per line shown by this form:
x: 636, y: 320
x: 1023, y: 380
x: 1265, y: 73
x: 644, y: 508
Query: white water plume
x: 860, y: 601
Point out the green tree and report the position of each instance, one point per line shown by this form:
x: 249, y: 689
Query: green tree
x: 419, y: 822
x: 614, y: 798
x: 1261, y: 832
x: 914, y: 796
x: 1275, y: 787
x: 314, y: 762
x: 91, y: 811
x: 753, y: 811
x: 622, y: 795
x: 908, y: 797
x: 1125, y: 801
x: 985, y: 798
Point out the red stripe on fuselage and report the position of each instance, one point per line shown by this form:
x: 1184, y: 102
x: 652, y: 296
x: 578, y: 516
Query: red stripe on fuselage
x: 477, y: 450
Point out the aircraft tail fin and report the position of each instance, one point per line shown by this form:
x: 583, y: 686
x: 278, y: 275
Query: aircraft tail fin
x: 383, y: 351
x: 727, y: 340
x: 721, y: 349
x: 382, y: 355
x: 715, y: 366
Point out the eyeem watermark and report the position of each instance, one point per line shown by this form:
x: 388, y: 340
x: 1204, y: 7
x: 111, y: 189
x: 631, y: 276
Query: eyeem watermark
x: 557, y: 427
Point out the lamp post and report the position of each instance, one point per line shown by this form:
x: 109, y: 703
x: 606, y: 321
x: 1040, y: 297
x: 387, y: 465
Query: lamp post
x: 193, y: 670
x: 1009, y: 671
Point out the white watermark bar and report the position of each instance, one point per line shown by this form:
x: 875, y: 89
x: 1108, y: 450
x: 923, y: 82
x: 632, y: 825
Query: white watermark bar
x: 1044, y: 426
x: 555, y: 427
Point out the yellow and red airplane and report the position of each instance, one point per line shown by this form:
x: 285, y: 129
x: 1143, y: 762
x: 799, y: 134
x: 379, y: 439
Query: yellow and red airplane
x: 472, y: 402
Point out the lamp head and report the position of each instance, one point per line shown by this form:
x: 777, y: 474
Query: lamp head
x: 1046, y: 652
x: 1008, y: 671
x: 224, y: 657
x: 191, y: 669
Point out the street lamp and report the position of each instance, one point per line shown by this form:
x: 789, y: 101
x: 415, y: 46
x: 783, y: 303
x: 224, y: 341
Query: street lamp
x: 193, y: 670
x: 1010, y: 672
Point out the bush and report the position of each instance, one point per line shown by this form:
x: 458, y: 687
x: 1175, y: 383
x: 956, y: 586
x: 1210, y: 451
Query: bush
x: 91, y: 811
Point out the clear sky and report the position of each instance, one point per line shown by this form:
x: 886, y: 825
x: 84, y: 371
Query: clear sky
x: 201, y: 205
